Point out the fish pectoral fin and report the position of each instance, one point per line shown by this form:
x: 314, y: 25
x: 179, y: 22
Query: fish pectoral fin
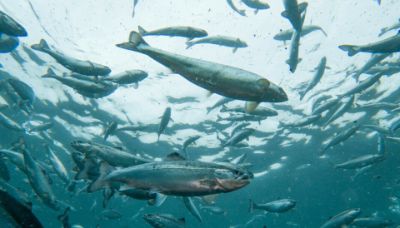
x: 209, y: 93
x: 136, y: 85
x: 285, y: 14
x: 234, y: 50
x: 158, y: 200
x: 210, y: 199
x: 302, y: 7
x: 251, y: 106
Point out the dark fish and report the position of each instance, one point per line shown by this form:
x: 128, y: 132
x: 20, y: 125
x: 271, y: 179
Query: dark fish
x: 4, y: 173
x: 362, y: 161
x: 113, y: 156
x: 8, y: 43
x: 10, y: 27
x: 388, y: 45
x: 164, y: 221
x: 217, y: 78
x: 19, y: 211
x: 84, y: 87
x: 75, y: 65
x: 164, y: 122
x: 182, y: 31
x: 306, y: 29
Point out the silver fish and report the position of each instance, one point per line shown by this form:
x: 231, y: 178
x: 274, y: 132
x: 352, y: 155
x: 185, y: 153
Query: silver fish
x: 360, y: 162
x: 286, y: 35
x: 84, y: 87
x: 75, y: 65
x: 179, y: 178
x: 277, y: 206
x: 165, y: 118
x: 293, y: 12
x: 39, y: 182
x: 221, y: 79
x: 232, y: 5
x: 164, y: 220
x: 227, y: 41
x: 181, y: 31
x: 342, y: 219
x: 388, y: 45
x: 317, y: 77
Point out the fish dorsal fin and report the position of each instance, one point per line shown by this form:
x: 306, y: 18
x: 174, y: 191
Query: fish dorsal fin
x: 285, y: 14
x: 175, y: 156
x: 302, y: 7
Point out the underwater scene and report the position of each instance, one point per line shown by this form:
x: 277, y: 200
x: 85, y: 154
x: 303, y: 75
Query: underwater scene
x: 200, y: 113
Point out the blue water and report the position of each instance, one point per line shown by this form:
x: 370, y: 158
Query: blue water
x: 285, y: 161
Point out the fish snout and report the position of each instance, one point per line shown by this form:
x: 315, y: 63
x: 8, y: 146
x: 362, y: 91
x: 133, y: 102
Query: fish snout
x: 277, y: 94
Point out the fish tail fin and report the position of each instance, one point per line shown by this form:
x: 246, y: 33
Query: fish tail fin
x: 383, y: 31
x: 50, y: 73
x: 351, y: 49
x: 41, y: 46
x: 323, y: 31
x: 100, y: 183
x: 141, y: 30
x: 135, y: 40
x: 189, y: 44
x: 302, y: 95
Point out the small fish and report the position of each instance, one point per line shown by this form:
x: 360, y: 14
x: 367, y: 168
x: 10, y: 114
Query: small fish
x: 372, y: 61
x: 227, y: 41
x: 388, y: 45
x: 181, y: 31
x: 39, y: 182
x: 363, y: 85
x: 395, y: 26
x: 306, y: 29
x: 277, y: 206
x: 238, y: 137
x: 165, y: 118
x: 340, y: 137
x: 293, y: 12
x: 164, y: 220
x: 232, y: 5
x: 342, y: 219
x: 192, y: 208
x: 361, y: 162
x: 189, y: 141
x: 128, y: 77
x: 317, y: 77
x: 58, y: 166
x: 110, y: 129
x: 256, y: 5
x: 344, y: 107
x: 10, y: 124
x: 111, y: 214
x: 219, y: 103
x: 372, y: 222
x: 75, y: 65
x: 84, y: 87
